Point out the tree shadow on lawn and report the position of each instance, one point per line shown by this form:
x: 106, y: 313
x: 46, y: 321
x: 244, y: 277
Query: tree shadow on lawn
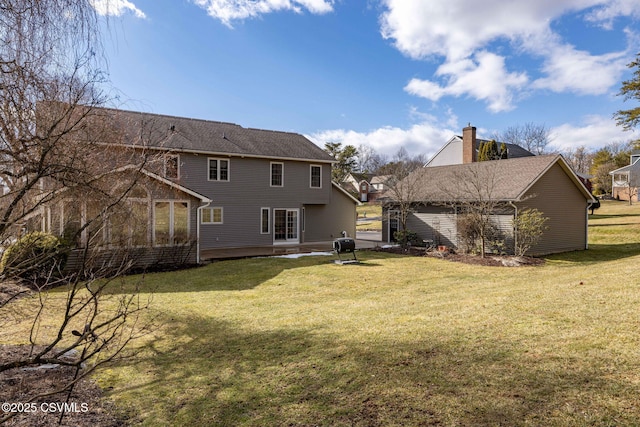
x: 599, y: 253
x: 611, y: 216
x: 228, y: 275
x: 208, y: 372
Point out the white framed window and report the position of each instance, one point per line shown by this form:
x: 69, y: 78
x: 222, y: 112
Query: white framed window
x: 128, y: 225
x: 171, y: 166
x: 315, y: 176
x: 218, y: 169
x: 265, y: 220
x: 170, y: 222
x: 277, y: 174
x: 89, y: 223
x: 212, y: 216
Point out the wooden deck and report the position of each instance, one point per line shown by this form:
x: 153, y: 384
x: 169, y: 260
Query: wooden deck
x: 258, y: 251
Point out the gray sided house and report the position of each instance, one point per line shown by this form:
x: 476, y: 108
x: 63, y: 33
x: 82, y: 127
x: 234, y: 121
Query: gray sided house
x: 625, y: 181
x: 546, y: 183
x: 219, y: 185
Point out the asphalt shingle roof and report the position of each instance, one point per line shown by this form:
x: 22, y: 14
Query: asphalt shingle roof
x: 505, y: 180
x: 205, y: 136
x: 514, y: 151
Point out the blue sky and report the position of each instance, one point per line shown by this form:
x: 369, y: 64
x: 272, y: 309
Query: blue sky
x: 381, y: 73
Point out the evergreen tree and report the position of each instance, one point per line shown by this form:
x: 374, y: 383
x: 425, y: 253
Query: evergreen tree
x: 629, y: 119
x: 503, y: 151
x: 347, y: 160
x: 482, y: 151
x: 489, y: 151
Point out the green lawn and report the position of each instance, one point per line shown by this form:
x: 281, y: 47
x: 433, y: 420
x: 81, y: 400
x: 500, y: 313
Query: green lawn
x: 369, y: 217
x: 395, y: 341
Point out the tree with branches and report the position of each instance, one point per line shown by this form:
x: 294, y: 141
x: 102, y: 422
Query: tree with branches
x: 533, y: 137
x: 401, y: 188
x: 529, y: 226
x: 52, y: 134
x: 489, y: 151
x: 630, y: 89
x: 475, y: 201
x: 346, y: 160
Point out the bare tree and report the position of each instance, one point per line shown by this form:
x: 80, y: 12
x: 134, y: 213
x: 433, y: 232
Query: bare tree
x: 579, y: 159
x: 402, y: 187
x: 531, y: 136
x: 369, y: 161
x: 475, y: 200
x: 51, y: 139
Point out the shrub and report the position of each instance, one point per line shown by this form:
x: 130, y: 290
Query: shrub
x: 529, y: 226
x: 33, y: 256
x: 406, y: 237
x: 468, y: 234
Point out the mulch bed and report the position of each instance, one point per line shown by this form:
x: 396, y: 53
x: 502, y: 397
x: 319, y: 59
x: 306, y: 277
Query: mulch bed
x: 487, y: 260
x: 85, y: 406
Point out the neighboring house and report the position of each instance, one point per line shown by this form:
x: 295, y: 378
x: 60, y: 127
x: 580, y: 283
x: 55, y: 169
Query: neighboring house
x: 217, y: 186
x: 464, y: 149
x: 585, y: 179
x: 546, y: 183
x: 626, y: 180
x: 367, y: 186
x: 358, y: 184
x: 378, y: 183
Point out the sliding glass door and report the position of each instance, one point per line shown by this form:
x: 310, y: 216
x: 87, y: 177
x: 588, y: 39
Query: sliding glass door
x: 285, y: 226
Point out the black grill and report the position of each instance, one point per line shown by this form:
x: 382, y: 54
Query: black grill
x: 345, y: 245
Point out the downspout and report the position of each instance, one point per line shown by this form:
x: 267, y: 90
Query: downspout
x: 515, y: 227
x: 198, y: 221
x: 586, y: 225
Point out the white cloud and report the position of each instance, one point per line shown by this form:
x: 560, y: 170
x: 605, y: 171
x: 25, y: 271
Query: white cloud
x: 427, y: 137
x: 608, y: 12
x: 228, y: 11
x: 422, y: 138
x: 595, y: 132
x: 471, y: 35
x: 485, y: 78
x: 571, y: 70
x: 116, y: 8
x: 456, y: 28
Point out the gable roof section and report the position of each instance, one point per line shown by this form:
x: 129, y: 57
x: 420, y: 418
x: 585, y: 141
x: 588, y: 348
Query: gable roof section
x: 514, y: 151
x: 345, y: 192
x: 172, y: 184
x: 180, y: 134
x: 504, y: 180
x: 453, y: 139
x: 627, y: 168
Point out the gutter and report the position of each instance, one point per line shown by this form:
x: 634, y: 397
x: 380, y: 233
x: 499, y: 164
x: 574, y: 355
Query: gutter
x: 586, y: 224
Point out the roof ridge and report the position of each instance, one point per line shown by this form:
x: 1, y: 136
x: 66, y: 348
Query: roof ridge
x: 167, y: 116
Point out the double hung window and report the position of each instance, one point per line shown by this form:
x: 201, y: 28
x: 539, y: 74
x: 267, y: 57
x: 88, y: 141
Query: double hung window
x: 218, y: 169
x: 316, y: 176
x: 277, y: 174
